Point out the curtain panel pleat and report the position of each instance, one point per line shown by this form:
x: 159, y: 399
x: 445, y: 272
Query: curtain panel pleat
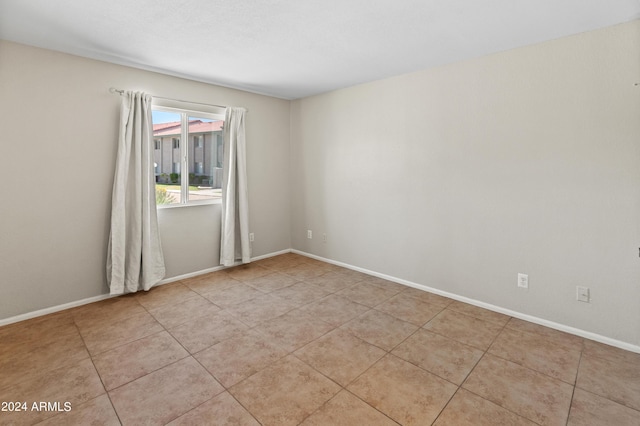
x: 134, y: 255
x: 234, y: 241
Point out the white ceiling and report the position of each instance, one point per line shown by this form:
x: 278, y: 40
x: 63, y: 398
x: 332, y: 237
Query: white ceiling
x: 296, y: 48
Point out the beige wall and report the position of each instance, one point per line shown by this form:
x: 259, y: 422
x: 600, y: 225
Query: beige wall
x: 460, y: 177
x: 59, y: 132
x: 456, y: 178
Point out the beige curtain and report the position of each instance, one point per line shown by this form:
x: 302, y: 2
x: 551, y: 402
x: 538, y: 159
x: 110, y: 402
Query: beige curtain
x: 134, y: 257
x: 234, y: 241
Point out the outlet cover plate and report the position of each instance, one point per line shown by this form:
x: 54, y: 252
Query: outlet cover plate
x: 523, y: 280
x: 583, y: 294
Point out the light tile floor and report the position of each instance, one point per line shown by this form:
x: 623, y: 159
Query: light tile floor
x: 289, y: 340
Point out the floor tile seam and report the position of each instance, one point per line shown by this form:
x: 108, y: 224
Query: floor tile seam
x: 502, y: 326
x: 269, y: 291
x: 395, y: 316
x: 42, y: 373
x: 610, y: 360
x: 330, y: 292
x: 203, y: 292
x: 320, y: 407
x: 104, y: 387
x: 462, y: 385
x: 167, y: 328
x: 68, y: 363
x: 379, y: 303
x: 160, y: 368
x: 407, y: 291
x: 113, y: 407
x: 573, y: 393
x: 93, y: 355
x: 500, y: 323
x: 99, y: 321
x: 575, y: 379
x: 147, y: 373
x: 147, y: 308
x: 242, y: 405
x: 497, y: 404
x: 451, y: 338
x: 360, y: 338
x: 403, y: 360
x: 188, y: 351
x: 330, y: 378
x: 269, y: 364
x: 528, y: 368
x: 433, y: 317
x: 101, y: 330
x: 199, y: 405
x: 546, y: 338
x: 418, y: 328
x: 493, y: 341
x: 582, y: 339
x: 464, y: 343
x: 262, y: 321
x: 444, y: 407
x: 299, y: 348
x: 384, y: 414
x: 619, y: 402
x: 226, y: 388
x: 434, y: 373
x: 532, y: 368
x: 344, y: 389
x: 608, y: 399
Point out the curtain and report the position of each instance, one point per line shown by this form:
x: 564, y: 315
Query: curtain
x: 234, y: 241
x: 134, y: 254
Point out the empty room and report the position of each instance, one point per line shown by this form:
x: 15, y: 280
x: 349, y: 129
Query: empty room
x: 413, y: 212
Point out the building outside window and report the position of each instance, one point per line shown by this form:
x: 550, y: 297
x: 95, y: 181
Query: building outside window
x: 188, y: 173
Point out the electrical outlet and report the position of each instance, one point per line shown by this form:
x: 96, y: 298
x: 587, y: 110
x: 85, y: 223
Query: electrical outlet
x: 251, y: 237
x: 583, y: 294
x: 324, y: 238
x: 309, y: 234
x: 523, y: 280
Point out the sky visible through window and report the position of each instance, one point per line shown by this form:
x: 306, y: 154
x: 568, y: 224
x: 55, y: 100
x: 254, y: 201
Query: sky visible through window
x: 168, y: 117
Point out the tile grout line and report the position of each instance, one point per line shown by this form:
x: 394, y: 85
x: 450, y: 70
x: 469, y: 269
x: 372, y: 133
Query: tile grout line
x: 106, y: 392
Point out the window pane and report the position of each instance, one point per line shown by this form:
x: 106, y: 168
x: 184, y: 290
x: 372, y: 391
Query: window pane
x: 166, y: 135
x: 205, y: 158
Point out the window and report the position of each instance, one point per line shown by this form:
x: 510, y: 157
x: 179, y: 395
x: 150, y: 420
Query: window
x: 198, y: 141
x: 157, y: 143
x: 189, y: 173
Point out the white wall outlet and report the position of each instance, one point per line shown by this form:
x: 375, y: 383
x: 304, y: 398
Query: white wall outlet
x: 523, y: 280
x: 309, y: 234
x: 251, y: 237
x: 324, y: 238
x: 583, y: 294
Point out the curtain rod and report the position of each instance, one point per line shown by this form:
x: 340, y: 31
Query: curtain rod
x: 119, y: 91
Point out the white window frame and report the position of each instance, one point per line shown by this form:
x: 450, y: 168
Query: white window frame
x: 185, y: 111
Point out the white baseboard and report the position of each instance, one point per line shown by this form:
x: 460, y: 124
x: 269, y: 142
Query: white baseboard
x: 556, y: 326
x: 58, y: 308
x: 53, y: 309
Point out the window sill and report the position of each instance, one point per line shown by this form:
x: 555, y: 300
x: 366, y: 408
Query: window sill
x: 192, y: 204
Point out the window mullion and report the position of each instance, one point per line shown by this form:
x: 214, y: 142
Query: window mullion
x: 184, y: 151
